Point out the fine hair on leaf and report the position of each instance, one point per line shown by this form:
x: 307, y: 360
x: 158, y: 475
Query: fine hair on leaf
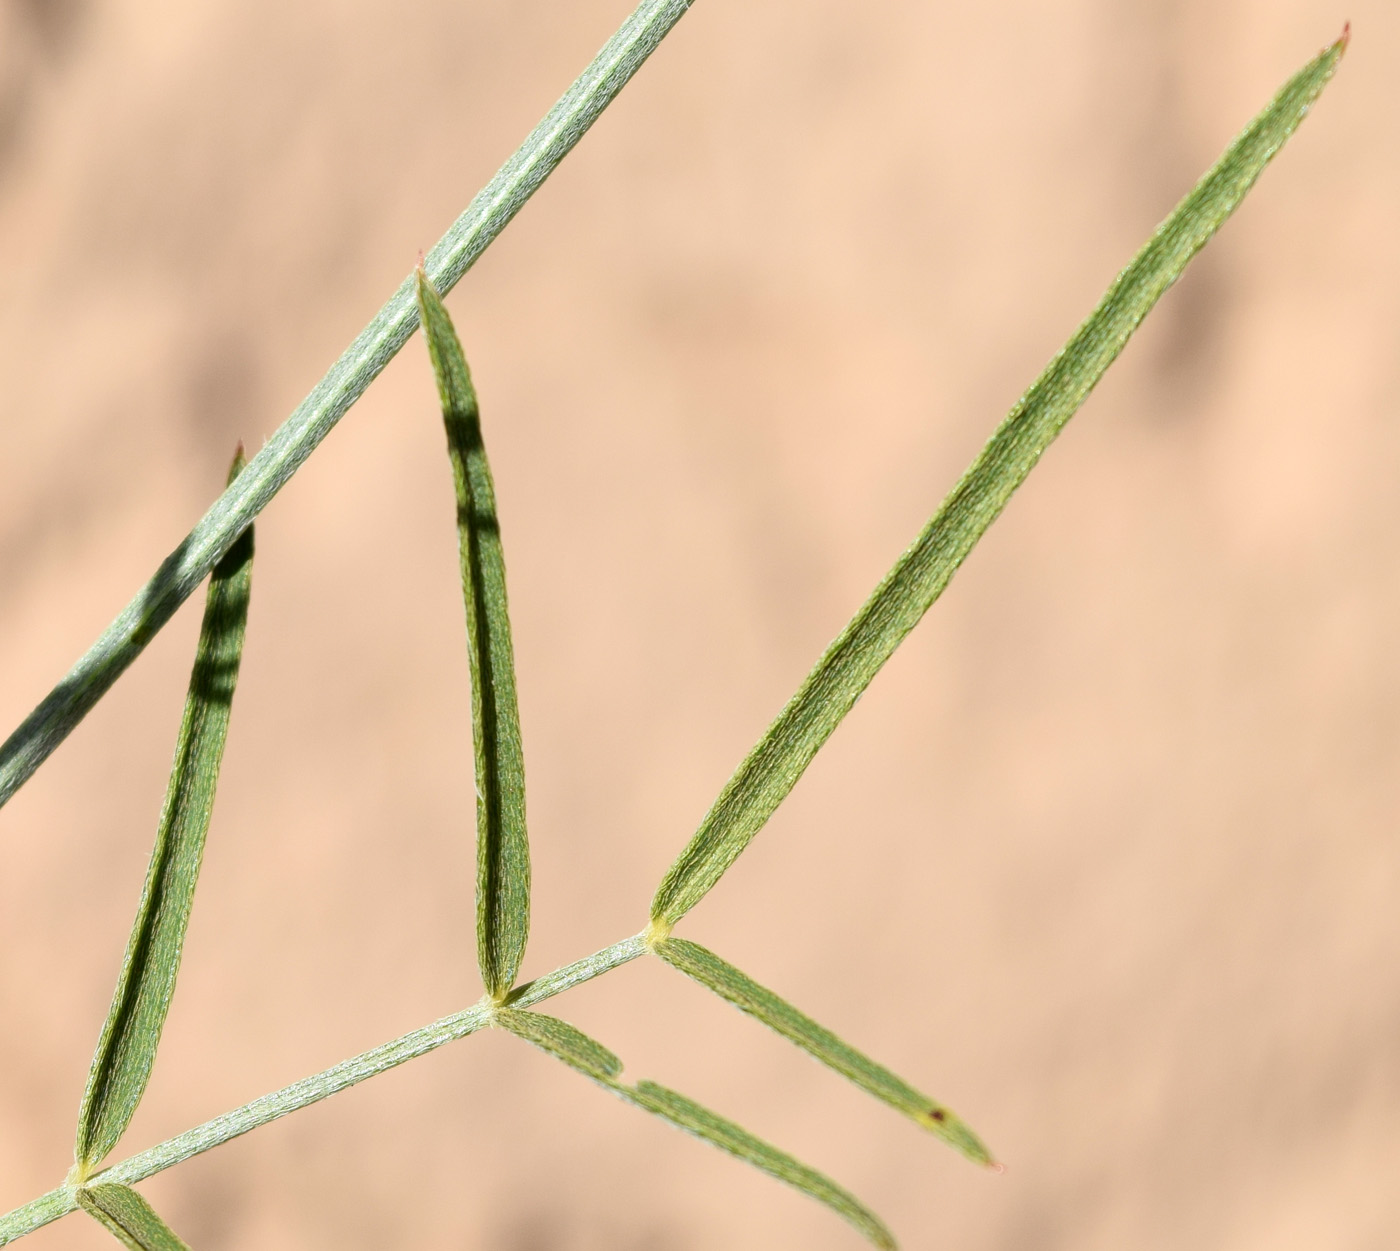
x: 126, y: 1049
x: 128, y: 1218
x: 576, y: 1049
x: 561, y: 1040
x: 761, y: 1003
x: 687, y: 1115
x: 502, y: 845
x: 829, y: 692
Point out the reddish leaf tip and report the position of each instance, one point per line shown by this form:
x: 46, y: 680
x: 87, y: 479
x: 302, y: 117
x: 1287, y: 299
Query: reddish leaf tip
x: 235, y: 466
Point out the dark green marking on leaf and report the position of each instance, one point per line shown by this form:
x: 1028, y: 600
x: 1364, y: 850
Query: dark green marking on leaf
x: 772, y: 769
x: 502, y: 845
x: 128, y: 1217
x: 758, y: 1001
x: 126, y: 1048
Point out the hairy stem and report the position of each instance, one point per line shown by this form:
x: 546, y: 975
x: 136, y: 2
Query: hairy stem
x: 282, y: 455
x: 63, y: 1199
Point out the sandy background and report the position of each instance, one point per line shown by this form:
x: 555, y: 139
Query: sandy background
x: 1106, y: 858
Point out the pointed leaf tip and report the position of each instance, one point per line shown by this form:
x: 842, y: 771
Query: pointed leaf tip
x: 502, y: 845
x: 770, y: 771
x: 730, y: 983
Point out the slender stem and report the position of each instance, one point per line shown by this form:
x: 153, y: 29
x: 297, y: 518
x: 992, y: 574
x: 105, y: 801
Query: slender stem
x: 62, y: 1199
x: 585, y: 970
x: 282, y: 455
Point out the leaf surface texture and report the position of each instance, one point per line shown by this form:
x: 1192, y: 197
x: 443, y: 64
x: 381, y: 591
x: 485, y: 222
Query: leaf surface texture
x: 579, y: 1051
x: 920, y: 575
x: 126, y: 1048
x: 128, y: 1217
x: 758, y: 1001
x: 502, y: 845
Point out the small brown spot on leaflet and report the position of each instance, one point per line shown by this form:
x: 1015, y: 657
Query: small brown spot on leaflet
x: 938, y: 1114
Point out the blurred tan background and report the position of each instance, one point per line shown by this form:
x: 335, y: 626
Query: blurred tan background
x: 1107, y: 858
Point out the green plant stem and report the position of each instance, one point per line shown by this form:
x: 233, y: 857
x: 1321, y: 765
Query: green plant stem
x: 63, y: 1199
x: 282, y: 455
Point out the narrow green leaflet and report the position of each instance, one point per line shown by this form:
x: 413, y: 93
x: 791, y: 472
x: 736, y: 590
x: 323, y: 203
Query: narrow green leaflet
x: 771, y: 770
x: 760, y: 1002
x: 594, y: 1060
x: 688, y: 1115
x: 129, y: 1218
x: 126, y: 1049
x: 502, y: 847
x: 561, y: 1040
